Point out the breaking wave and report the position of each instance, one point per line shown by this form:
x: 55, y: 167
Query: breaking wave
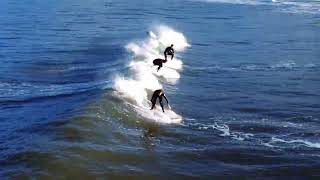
x: 137, y: 86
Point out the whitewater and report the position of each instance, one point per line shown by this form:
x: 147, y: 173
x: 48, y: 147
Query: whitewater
x: 143, y: 79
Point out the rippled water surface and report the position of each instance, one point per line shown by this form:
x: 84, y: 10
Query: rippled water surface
x: 76, y: 76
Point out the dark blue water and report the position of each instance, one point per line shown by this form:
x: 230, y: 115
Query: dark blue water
x: 248, y: 92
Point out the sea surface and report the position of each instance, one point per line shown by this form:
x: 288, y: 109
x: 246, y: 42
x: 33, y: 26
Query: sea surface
x: 244, y: 89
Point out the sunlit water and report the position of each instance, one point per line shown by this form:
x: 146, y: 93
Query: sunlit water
x: 76, y: 76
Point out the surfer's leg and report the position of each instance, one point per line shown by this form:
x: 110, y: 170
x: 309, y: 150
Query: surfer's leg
x: 160, y: 102
x: 172, y: 56
x: 153, y: 102
x: 160, y: 66
x: 165, y: 56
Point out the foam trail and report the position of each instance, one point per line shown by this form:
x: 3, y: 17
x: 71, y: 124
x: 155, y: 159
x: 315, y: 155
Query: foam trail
x: 143, y: 77
x: 298, y: 141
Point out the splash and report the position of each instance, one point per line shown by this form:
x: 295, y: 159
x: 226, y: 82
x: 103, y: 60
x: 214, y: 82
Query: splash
x: 143, y: 78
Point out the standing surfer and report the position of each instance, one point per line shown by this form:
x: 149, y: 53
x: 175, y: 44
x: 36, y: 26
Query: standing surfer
x: 158, y: 94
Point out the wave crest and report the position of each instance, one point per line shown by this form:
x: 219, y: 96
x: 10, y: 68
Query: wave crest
x: 143, y: 78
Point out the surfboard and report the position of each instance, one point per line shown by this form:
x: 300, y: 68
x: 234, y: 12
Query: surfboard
x: 166, y: 73
x: 173, y: 64
x: 156, y: 114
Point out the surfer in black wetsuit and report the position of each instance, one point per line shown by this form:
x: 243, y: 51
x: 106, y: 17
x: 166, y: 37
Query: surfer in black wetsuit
x: 169, y: 51
x: 158, y: 94
x: 159, y: 62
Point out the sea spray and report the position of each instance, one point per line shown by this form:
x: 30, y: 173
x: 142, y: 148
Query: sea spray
x: 143, y: 78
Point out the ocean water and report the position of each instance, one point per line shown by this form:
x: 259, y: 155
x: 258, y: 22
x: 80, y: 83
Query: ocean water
x: 76, y: 76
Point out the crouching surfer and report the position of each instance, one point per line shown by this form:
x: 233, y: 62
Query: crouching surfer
x: 159, y: 62
x: 158, y: 94
x: 169, y: 51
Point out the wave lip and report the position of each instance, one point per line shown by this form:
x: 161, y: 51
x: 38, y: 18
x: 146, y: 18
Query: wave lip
x: 143, y: 78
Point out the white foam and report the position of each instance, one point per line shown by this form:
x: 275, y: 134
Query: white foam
x: 291, y: 6
x: 285, y: 64
x: 225, y: 131
x: 143, y: 77
x: 247, y: 2
x: 310, y: 7
x: 298, y: 141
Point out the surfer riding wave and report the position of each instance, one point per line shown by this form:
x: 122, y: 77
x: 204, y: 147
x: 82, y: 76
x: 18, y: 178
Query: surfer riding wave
x: 142, y: 79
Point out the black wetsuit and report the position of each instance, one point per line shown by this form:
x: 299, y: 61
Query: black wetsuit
x: 158, y: 94
x: 168, y: 51
x: 159, y: 62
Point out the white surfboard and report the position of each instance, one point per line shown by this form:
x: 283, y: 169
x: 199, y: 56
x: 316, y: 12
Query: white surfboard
x: 156, y: 115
